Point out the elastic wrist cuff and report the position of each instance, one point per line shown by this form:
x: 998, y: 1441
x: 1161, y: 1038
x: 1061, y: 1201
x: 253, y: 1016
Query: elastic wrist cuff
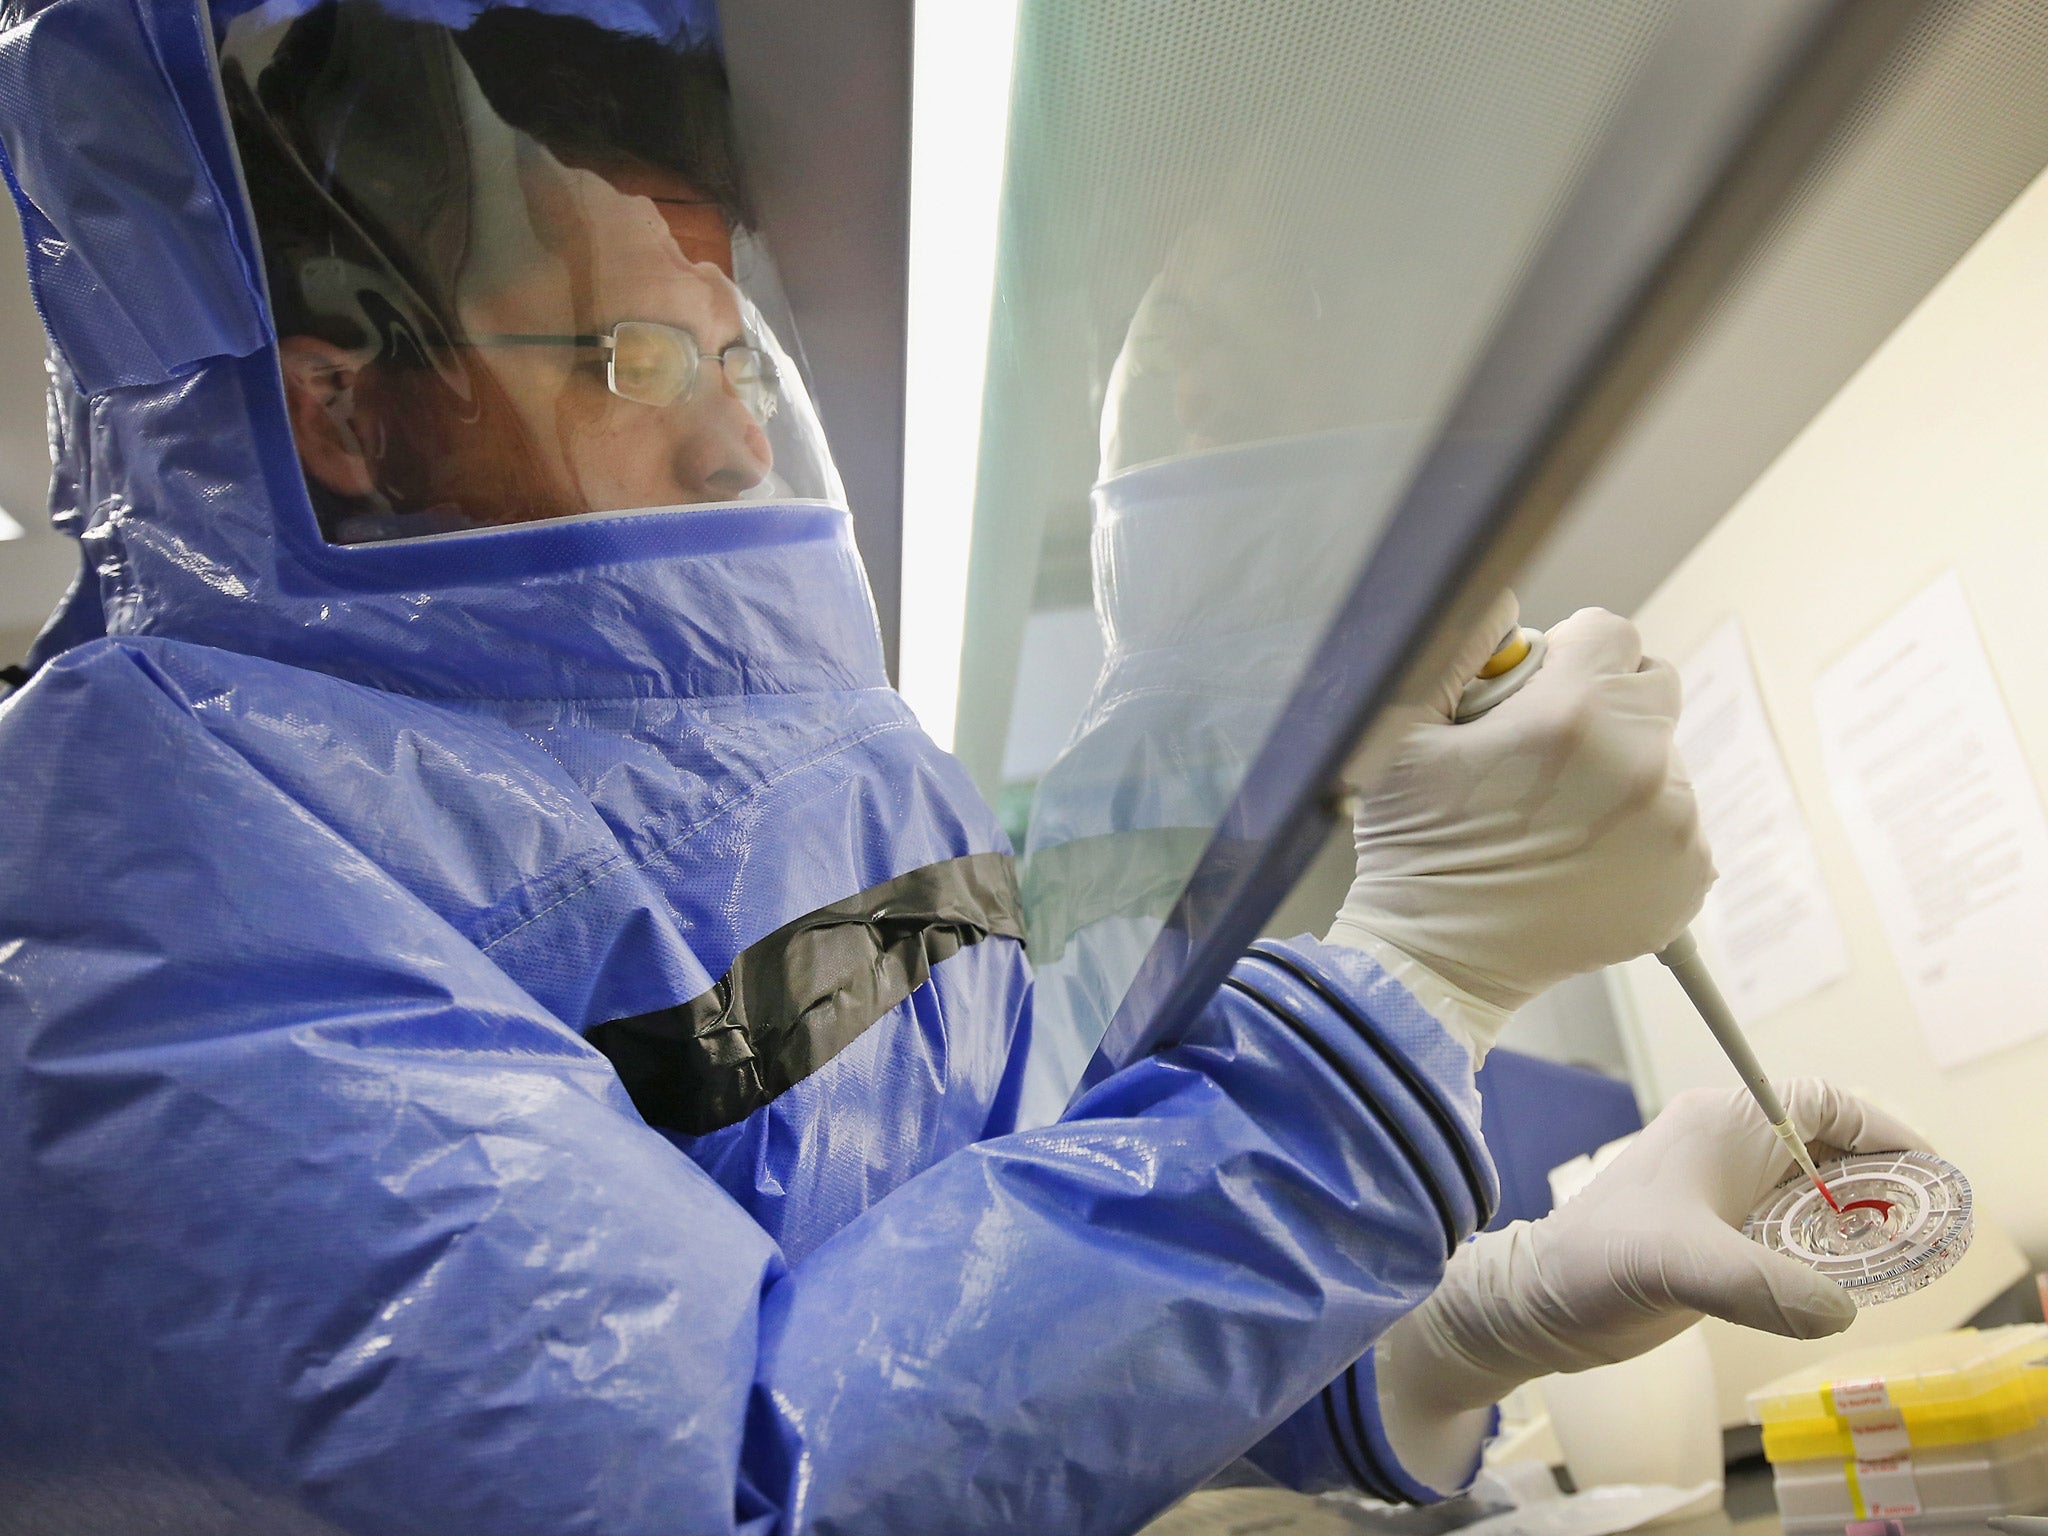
x: 1472, y: 1021
x: 1475, y: 1429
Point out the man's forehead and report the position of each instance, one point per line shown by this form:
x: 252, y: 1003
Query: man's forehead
x: 657, y: 282
x: 633, y: 269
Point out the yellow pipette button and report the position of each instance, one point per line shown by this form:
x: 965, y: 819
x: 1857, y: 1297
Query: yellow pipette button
x: 1508, y: 657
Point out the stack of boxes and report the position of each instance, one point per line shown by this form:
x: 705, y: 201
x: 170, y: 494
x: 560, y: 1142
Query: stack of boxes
x: 1938, y: 1434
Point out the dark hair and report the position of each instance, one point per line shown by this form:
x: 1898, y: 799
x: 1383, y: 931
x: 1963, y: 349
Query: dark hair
x: 592, y: 96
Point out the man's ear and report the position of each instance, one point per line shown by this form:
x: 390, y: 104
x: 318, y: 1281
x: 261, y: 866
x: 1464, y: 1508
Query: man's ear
x: 319, y: 390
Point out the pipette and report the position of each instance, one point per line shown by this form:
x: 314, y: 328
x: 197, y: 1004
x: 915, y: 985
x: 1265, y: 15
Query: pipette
x: 1514, y: 661
x: 1681, y: 957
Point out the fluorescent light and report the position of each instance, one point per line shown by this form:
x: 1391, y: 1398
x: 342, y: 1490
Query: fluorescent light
x: 9, y: 528
x: 959, y: 115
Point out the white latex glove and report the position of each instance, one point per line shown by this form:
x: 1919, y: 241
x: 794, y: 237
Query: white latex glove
x: 1550, y: 837
x: 1632, y: 1260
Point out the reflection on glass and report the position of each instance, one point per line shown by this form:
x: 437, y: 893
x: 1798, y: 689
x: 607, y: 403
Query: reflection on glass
x: 1248, y: 253
x: 1214, y: 575
x: 511, y: 272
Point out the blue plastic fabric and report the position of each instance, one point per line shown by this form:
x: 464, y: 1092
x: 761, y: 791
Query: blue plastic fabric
x: 1542, y: 1113
x: 133, y: 262
x: 321, y: 1214
x: 693, y: 23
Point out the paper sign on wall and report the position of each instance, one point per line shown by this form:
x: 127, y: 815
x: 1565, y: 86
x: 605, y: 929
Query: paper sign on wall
x: 1945, y: 820
x: 1768, y: 922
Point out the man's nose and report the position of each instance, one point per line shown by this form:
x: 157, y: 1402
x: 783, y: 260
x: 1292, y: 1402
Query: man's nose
x: 724, y: 450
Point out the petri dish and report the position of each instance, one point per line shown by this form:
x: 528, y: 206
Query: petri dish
x: 1905, y: 1220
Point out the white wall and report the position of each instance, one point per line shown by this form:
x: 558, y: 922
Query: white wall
x: 1933, y: 457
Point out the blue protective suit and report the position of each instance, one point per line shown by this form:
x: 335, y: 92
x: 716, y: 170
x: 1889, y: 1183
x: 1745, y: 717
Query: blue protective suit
x: 346, y: 893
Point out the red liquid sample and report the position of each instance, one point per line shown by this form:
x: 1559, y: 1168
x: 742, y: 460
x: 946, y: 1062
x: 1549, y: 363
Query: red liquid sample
x: 1882, y: 1207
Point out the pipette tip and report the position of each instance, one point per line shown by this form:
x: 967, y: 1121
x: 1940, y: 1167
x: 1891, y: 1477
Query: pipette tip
x: 1803, y: 1158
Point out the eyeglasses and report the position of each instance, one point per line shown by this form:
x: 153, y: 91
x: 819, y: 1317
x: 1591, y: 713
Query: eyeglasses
x: 654, y: 364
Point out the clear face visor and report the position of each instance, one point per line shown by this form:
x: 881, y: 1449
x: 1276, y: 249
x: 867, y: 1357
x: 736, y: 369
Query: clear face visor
x: 512, y: 272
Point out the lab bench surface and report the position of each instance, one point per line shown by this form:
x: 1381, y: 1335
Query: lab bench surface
x: 1748, y: 1509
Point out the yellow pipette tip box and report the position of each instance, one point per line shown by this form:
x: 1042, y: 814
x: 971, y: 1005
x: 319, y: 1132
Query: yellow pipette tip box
x: 1946, y: 1389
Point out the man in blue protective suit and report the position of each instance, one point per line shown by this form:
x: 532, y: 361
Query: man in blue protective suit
x: 505, y: 1023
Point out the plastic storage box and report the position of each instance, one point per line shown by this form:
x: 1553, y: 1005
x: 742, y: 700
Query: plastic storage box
x: 1937, y: 1434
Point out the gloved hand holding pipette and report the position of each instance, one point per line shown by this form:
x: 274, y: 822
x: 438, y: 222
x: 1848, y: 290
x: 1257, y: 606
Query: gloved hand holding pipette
x: 1571, y: 822
x: 1555, y: 835
x: 1573, y: 842
x: 1639, y: 1255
